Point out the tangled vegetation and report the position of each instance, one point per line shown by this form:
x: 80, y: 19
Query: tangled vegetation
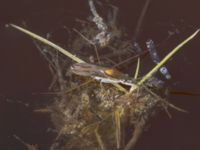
x: 88, y: 111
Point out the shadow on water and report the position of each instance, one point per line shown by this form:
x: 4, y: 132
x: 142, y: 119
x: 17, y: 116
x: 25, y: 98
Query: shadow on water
x: 24, y: 71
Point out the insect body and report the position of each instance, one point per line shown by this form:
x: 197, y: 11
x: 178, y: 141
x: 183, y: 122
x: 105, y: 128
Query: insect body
x: 103, y: 74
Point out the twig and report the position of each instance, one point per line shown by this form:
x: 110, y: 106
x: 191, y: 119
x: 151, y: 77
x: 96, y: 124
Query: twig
x: 54, y: 62
x: 28, y: 146
x: 164, y: 101
x: 42, y: 51
x: 61, y: 80
x: 141, y: 18
x: 136, y: 134
x: 89, y: 41
x: 99, y: 139
x: 130, y: 58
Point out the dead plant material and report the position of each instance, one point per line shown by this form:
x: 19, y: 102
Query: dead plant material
x: 91, y: 115
x: 96, y: 116
x: 28, y: 146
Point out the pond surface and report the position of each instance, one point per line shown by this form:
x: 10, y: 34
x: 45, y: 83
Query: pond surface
x: 25, y: 72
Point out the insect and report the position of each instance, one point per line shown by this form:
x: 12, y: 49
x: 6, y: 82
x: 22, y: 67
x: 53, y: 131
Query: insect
x: 102, y: 74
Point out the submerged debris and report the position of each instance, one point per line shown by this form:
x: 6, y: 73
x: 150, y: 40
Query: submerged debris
x: 88, y: 114
x: 99, y: 107
x: 156, y: 59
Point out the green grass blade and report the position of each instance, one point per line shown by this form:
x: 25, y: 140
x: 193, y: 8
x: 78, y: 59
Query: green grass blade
x: 137, y: 69
x: 45, y: 41
x: 60, y: 49
x: 166, y: 58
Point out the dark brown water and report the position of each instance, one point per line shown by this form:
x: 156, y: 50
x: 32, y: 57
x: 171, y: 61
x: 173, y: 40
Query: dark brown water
x: 24, y: 71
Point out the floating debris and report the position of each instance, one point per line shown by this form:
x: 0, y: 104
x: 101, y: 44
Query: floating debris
x: 90, y: 115
x: 156, y: 59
